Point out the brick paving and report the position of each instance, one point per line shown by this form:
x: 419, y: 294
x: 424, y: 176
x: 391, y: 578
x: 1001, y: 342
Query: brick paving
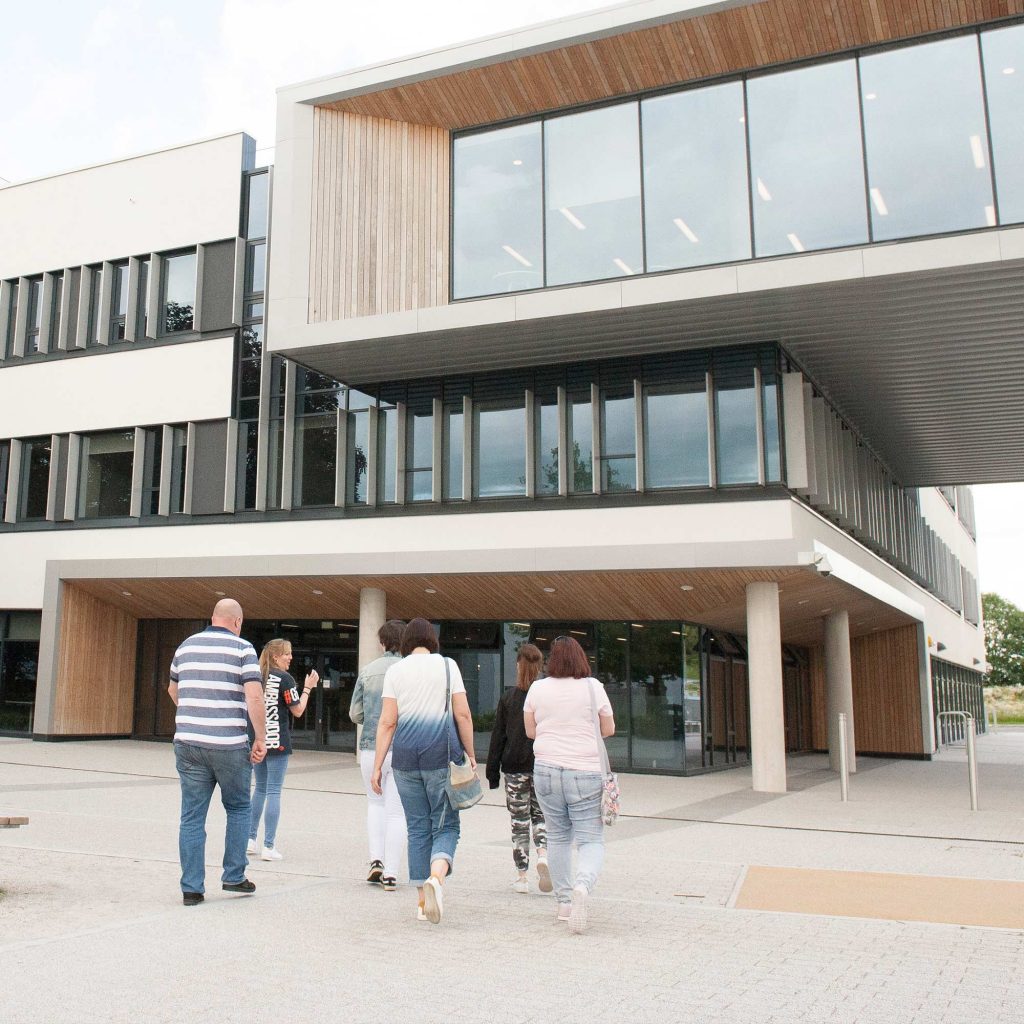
x: 91, y: 926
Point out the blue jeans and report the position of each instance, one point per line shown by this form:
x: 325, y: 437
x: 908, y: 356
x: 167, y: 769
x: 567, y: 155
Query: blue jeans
x: 200, y: 769
x: 571, y: 802
x: 432, y: 822
x: 270, y: 773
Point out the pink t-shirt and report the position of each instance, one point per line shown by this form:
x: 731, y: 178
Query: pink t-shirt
x: 565, y: 722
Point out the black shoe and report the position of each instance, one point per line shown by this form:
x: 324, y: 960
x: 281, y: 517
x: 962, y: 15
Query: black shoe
x: 376, y: 872
x: 192, y: 899
x: 389, y: 883
x: 245, y: 887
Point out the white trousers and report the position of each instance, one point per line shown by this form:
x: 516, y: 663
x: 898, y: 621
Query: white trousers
x: 385, y: 819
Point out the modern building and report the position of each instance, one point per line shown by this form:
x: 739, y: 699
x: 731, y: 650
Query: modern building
x: 678, y: 327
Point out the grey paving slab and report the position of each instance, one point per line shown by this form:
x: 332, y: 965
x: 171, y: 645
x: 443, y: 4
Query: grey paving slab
x: 91, y: 926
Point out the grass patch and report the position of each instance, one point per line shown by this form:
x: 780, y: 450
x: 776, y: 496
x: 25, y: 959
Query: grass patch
x: 1008, y: 702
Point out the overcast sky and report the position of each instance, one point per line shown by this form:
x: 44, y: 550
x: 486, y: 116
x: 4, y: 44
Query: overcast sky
x: 85, y: 82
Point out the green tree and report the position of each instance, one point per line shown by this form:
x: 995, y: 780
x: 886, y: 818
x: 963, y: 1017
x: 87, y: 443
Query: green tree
x: 1004, y: 640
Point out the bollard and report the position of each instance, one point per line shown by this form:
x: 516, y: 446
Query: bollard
x: 972, y: 764
x: 844, y: 771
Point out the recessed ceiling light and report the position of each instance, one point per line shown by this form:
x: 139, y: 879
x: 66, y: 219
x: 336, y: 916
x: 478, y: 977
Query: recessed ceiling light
x: 517, y: 256
x: 623, y: 266
x: 572, y: 218
x: 879, y: 200
x: 686, y: 229
x: 762, y: 191
x: 871, y: 96
x: 517, y: 163
x: 318, y: 592
x: 977, y: 152
x: 219, y: 593
x: 429, y: 590
x: 126, y: 593
x: 1008, y: 71
x: 990, y: 215
x: 804, y: 601
x: 795, y: 242
x: 685, y: 586
x: 549, y: 590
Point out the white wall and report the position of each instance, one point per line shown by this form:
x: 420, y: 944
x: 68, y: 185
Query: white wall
x: 101, y: 390
x: 151, y: 203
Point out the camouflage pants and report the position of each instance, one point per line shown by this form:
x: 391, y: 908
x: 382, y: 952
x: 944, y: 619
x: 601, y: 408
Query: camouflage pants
x: 521, y: 801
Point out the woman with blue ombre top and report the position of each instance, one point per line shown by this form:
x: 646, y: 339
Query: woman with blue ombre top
x: 425, y: 722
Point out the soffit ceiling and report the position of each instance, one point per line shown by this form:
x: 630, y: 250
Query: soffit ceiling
x: 688, y: 49
x: 718, y: 598
x: 929, y: 367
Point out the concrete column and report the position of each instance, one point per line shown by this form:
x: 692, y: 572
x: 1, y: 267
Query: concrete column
x: 372, y: 615
x: 839, y: 687
x: 767, y: 721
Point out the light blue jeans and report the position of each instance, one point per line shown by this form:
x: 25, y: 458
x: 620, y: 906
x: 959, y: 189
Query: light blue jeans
x: 269, y: 774
x: 571, y: 802
x: 432, y: 822
x: 200, y: 770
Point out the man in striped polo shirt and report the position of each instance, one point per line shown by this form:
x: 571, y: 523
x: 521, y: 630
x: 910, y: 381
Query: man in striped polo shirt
x: 215, y: 680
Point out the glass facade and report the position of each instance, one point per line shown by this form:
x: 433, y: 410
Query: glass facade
x: 499, y: 439
x: 19, y: 661
x: 882, y: 145
x: 35, y: 477
x: 179, y: 292
x: 106, y: 487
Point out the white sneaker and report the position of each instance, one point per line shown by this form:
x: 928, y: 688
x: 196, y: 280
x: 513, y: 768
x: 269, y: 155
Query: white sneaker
x: 251, y: 848
x: 521, y: 885
x: 578, y: 911
x: 433, y: 900
x: 270, y: 853
x: 563, y: 912
x: 543, y: 875
x: 420, y: 916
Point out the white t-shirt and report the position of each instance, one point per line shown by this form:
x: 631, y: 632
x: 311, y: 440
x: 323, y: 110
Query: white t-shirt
x: 425, y: 727
x: 565, y: 722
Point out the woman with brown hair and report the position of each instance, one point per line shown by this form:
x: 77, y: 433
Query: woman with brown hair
x: 563, y: 715
x: 282, y: 700
x: 511, y: 752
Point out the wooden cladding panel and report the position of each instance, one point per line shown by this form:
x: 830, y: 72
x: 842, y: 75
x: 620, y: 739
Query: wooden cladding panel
x: 756, y: 35
x: 887, y: 692
x: 379, y: 242
x: 96, y: 667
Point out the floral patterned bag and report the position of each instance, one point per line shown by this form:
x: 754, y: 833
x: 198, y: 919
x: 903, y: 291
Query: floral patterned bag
x: 610, y: 788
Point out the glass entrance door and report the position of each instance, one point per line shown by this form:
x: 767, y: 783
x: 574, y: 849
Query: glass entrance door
x: 326, y: 725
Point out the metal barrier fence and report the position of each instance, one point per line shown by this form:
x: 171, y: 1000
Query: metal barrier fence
x: 956, y: 688
x: 972, y: 759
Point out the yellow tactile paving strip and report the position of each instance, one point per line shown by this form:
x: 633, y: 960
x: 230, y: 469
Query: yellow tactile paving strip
x: 966, y: 901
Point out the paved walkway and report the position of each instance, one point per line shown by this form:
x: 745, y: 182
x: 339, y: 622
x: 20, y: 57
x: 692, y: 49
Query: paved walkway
x: 92, y: 927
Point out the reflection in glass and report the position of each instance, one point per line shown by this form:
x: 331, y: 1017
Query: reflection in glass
x: 357, y: 461
x: 256, y: 269
x: 581, y: 446
x: 657, y: 694
x: 612, y: 671
x: 772, y: 444
x: 419, y: 455
x: 315, y: 460
x: 499, y: 440
x: 35, y: 311
x: 387, y: 454
x: 179, y: 293
x: 695, y: 178
x: 592, y: 178
x: 807, y: 169
x: 275, y: 461
x: 546, y: 427
x: 736, y: 427
x: 496, y: 212
x: 618, y: 443
x: 35, y: 478
x: 248, y: 449
x: 118, y: 301
x: 107, y: 483
x: 924, y: 126
x: 454, y: 439
x: 1002, y: 50
x: 93, y: 275
x: 677, y: 436
x: 55, y: 307
x: 256, y: 223
x: 142, y: 309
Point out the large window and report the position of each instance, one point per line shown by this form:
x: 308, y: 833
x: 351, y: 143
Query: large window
x: 107, y: 461
x: 499, y: 439
x: 35, y: 477
x: 736, y: 425
x: 314, y: 467
x: 179, y: 292
x: 592, y: 183
x: 118, y: 301
x: 497, y: 228
x: 357, y: 461
x: 806, y: 163
x: 35, y: 313
x: 695, y: 178
x: 419, y: 452
x: 581, y: 443
x: 12, y: 320
x: 546, y: 434
x: 92, y: 279
x: 19, y: 662
x: 454, y: 444
x: 927, y: 146
x: 618, y: 440
x: 676, y: 434
x: 1003, y: 54
x: 56, y: 303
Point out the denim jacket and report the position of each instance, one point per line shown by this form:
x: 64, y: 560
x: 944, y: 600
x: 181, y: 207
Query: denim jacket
x: 367, y: 698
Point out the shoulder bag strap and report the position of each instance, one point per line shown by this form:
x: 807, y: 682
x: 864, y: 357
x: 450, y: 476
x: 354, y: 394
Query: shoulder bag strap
x: 605, y: 766
x: 447, y: 705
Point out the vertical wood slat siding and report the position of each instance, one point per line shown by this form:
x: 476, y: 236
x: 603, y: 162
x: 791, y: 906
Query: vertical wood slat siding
x: 379, y: 240
x: 95, y: 692
x: 886, y: 693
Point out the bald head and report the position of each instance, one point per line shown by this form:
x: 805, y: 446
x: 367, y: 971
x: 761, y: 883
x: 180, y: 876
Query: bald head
x: 227, y: 613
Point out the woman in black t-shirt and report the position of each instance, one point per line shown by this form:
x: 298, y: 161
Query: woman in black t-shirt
x: 511, y: 752
x: 281, y: 699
